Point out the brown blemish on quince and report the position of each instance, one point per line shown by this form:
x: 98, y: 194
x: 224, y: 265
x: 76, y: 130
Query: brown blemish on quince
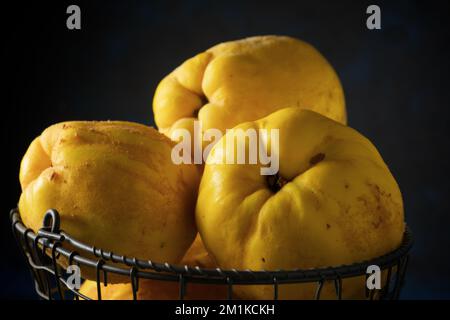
x: 53, y: 176
x: 316, y: 159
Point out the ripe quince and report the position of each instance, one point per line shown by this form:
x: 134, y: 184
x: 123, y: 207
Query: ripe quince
x: 165, y: 290
x: 332, y: 202
x: 244, y: 80
x: 116, y: 291
x: 115, y: 188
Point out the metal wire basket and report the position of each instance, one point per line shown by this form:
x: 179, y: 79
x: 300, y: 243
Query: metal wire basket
x: 51, y: 283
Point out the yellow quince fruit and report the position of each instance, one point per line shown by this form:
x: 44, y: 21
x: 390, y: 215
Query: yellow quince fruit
x: 116, y: 291
x: 332, y: 202
x: 244, y: 80
x: 115, y: 187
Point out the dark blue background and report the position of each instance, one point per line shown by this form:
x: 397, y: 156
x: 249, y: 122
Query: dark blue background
x: 396, y: 82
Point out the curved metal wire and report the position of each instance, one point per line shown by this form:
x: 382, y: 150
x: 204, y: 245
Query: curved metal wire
x: 50, y: 237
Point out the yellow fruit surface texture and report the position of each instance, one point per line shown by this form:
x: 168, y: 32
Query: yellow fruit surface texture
x: 333, y: 202
x: 165, y: 290
x: 117, y: 291
x: 115, y: 188
x: 245, y: 80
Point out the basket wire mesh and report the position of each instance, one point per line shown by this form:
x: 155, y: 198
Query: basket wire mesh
x: 51, y: 281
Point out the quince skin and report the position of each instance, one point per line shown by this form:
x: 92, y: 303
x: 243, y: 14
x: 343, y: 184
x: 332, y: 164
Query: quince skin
x: 333, y: 202
x: 245, y: 80
x: 115, y: 188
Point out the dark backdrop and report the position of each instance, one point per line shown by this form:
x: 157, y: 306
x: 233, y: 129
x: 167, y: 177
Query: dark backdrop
x: 395, y: 80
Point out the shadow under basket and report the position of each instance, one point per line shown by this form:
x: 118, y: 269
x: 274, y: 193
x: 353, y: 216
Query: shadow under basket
x: 42, y: 250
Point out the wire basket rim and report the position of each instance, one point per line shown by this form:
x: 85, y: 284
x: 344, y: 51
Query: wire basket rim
x: 50, y: 236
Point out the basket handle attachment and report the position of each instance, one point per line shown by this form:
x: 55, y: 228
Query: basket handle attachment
x: 51, y: 221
